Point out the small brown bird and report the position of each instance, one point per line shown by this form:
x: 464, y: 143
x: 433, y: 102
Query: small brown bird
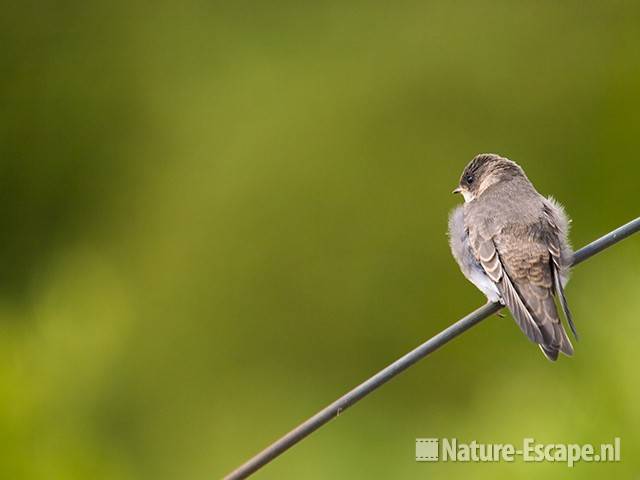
x: 512, y: 243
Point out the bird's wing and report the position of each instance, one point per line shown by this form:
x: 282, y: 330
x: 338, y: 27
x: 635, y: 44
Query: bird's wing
x: 557, y: 220
x: 533, y: 273
x: 485, y: 249
x: 519, y: 264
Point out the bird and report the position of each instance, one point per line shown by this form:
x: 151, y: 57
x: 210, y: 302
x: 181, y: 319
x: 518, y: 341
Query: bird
x: 512, y: 244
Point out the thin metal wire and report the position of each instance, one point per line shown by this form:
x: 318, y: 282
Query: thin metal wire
x: 386, y: 374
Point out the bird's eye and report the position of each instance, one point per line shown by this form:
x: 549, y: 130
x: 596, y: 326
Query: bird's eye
x: 469, y: 179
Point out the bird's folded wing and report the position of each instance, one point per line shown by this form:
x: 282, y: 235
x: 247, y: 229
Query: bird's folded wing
x: 487, y: 254
x: 553, y: 245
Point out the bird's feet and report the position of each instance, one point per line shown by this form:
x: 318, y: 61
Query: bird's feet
x: 501, y: 302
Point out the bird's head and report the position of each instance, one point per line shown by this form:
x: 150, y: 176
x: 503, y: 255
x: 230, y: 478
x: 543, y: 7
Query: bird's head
x: 483, y: 171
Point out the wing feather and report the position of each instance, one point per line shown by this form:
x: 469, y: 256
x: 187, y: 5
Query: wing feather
x: 558, y: 221
x: 487, y: 255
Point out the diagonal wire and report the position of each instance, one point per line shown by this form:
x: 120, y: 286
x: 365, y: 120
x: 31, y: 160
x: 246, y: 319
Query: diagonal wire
x: 386, y: 374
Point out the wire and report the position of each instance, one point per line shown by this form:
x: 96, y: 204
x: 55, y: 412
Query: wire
x: 386, y: 374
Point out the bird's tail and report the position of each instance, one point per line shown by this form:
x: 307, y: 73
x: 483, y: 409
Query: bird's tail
x: 552, y: 349
x: 552, y: 337
x: 559, y: 340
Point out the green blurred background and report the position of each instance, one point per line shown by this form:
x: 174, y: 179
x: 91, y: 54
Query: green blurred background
x: 217, y: 218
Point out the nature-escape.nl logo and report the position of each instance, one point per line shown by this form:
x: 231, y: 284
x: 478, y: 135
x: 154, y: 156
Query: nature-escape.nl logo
x: 451, y: 450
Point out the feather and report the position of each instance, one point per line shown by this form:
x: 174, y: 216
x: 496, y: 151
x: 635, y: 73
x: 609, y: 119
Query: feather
x: 563, y: 301
x: 508, y: 238
x: 519, y: 310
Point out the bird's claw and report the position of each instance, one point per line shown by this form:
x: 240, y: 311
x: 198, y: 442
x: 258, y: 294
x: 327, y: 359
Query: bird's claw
x: 499, y: 314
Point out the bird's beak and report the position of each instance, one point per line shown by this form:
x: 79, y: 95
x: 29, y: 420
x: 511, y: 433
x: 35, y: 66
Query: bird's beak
x: 457, y: 190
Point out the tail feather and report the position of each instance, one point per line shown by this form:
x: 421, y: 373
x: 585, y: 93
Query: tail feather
x: 565, y: 343
x: 550, y: 352
x: 560, y: 343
